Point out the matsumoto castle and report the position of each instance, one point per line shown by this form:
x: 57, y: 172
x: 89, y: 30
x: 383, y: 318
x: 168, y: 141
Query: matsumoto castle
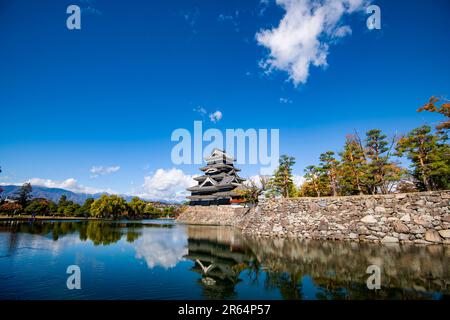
x: 219, y: 183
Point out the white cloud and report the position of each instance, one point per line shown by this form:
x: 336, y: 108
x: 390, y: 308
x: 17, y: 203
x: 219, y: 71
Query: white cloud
x: 216, y: 116
x: 298, y: 180
x: 101, y: 170
x: 167, y: 185
x: 285, y: 100
x: 70, y: 184
x: 303, y: 35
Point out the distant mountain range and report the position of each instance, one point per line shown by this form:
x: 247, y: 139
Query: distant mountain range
x: 54, y: 194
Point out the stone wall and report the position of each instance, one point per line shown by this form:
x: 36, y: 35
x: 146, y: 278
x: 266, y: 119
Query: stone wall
x: 422, y: 218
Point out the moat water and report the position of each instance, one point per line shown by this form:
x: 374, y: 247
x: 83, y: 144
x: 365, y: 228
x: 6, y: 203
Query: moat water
x: 160, y: 259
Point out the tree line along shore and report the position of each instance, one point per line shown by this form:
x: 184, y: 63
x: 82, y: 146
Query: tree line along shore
x: 107, y: 206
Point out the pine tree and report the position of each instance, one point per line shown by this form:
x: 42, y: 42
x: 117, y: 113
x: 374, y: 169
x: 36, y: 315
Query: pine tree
x: 282, y: 180
x: 351, y: 168
x: 24, y: 194
x: 329, y: 166
x: 430, y: 157
x: 379, y: 171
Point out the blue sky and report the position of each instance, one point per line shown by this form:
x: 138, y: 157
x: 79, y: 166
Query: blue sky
x: 110, y: 95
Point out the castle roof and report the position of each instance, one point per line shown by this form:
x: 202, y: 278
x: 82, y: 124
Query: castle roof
x: 218, y: 155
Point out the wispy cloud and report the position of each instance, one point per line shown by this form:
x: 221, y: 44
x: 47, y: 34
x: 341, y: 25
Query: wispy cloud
x: 304, y: 35
x: 101, y: 170
x: 285, y: 100
x: 232, y: 19
x: 215, y: 116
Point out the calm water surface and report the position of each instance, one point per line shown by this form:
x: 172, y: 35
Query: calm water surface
x: 159, y: 259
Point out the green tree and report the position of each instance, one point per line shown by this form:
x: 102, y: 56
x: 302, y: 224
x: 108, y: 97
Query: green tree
x: 65, y: 206
x: 379, y: 170
x: 150, y: 209
x: 71, y: 209
x: 329, y: 166
x: 39, y: 207
x: 136, y: 206
x: 109, y: 206
x: 53, y: 207
x: 351, y: 167
x: 85, y: 209
x: 23, y: 195
x: 430, y: 158
x: 282, y: 179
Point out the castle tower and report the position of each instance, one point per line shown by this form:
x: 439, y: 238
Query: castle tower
x: 218, y: 183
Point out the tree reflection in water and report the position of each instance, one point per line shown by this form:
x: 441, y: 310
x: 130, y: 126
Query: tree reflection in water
x: 99, y: 232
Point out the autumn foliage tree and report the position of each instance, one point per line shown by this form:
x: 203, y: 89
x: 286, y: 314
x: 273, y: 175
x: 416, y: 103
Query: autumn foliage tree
x: 11, y: 208
x: 434, y: 105
x: 316, y: 183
